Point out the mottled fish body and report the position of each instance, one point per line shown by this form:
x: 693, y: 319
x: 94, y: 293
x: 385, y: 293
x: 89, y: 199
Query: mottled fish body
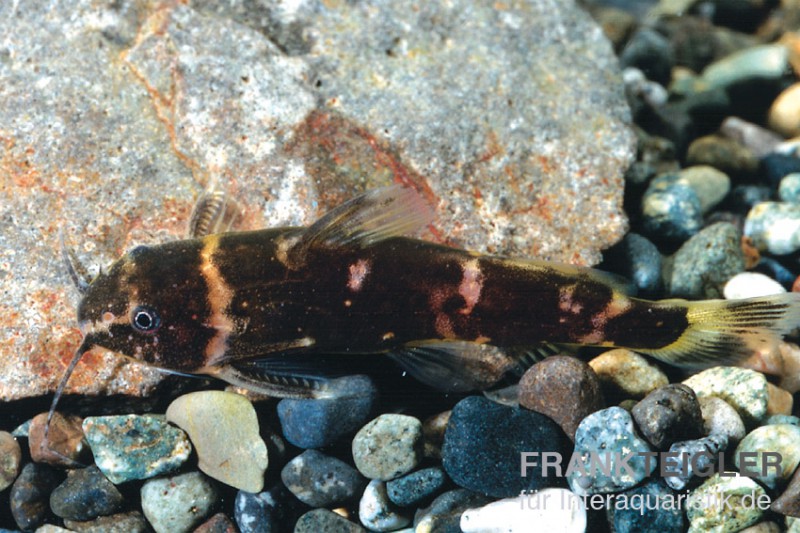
x: 255, y: 308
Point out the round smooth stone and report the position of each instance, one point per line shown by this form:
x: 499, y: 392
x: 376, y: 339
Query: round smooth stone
x: 774, y: 227
x: 549, y: 509
x: 669, y: 414
x: 65, y: 441
x: 325, y: 521
x: 725, y: 504
x: 789, y: 188
x: 271, y: 511
x: 745, y: 390
x: 647, y: 509
x: 30, y: 493
x: 10, y: 460
x: 130, y: 522
x: 416, y: 487
x: 129, y: 447
x: 710, y: 185
x: 671, y: 211
x: 751, y: 285
x: 319, y: 480
x: 698, y: 456
x: 627, y: 373
x: 224, y: 430
x: 376, y: 511
x: 784, y: 114
x: 85, y: 495
x: 177, y: 504
x: 719, y: 418
x: 764, y: 62
x: 388, y: 447
x: 444, y: 513
x: 783, y: 439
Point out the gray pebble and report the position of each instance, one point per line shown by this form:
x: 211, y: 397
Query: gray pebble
x: 710, y: 185
x: 783, y: 419
x: 388, y: 447
x: 774, y: 227
x: 444, y: 513
x: 325, y: 521
x: 685, y: 452
x: 85, y: 495
x: 321, y: 481
x: 130, y: 522
x: 671, y: 210
x: 725, y: 155
x: 669, y: 414
x: 377, y: 512
x: 704, y: 263
x: 30, y: 493
x: 10, y: 460
x: 760, y: 63
x: 744, y: 389
x: 789, y: 188
x: 783, y: 439
x: 416, y: 487
x: 271, y: 511
x: 177, y: 504
x: 719, y: 418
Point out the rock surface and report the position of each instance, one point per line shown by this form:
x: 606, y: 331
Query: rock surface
x: 293, y: 108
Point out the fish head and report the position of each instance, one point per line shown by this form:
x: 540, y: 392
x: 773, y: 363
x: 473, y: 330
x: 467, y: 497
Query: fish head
x: 151, y: 306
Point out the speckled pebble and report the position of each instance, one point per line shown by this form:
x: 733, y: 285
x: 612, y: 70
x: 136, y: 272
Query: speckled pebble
x: 788, y: 503
x: 774, y: 227
x: 671, y: 211
x: 551, y: 510
x: 388, y: 446
x: 719, y: 418
x: 320, y: 423
x: 443, y: 515
x: 271, y: 511
x: 726, y: 155
x: 725, y: 504
x: 433, y: 429
x: 707, y: 447
x: 783, y: 439
x: 608, y: 435
x: 30, y: 493
x: 319, y: 480
x: 645, y: 509
x: 750, y: 285
x: 563, y: 388
x: 177, y: 504
x: 483, y: 443
x: 224, y: 430
x: 789, y: 188
x: 704, y: 263
x: 128, y: 447
x: 65, y: 444
x: 219, y: 523
x: 783, y: 419
x: 85, y: 495
x: 669, y: 414
x: 130, y: 522
x: 628, y: 373
x: 325, y: 521
x: 10, y: 460
x: 417, y: 487
x: 710, y: 185
x: 377, y: 512
x: 745, y: 390
x: 763, y: 527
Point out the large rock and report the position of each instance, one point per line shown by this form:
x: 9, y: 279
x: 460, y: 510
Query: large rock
x: 509, y: 119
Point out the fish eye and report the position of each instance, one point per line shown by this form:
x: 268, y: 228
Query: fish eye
x: 145, y: 319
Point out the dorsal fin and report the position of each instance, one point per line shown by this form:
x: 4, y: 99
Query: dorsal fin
x: 372, y: 217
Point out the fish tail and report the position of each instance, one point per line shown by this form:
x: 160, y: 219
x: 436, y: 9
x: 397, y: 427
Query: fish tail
x: 728, y: 331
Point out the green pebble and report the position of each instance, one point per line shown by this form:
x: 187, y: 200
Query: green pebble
x: 745, y: 390
x: 725, y: 505
x: 778, y: 438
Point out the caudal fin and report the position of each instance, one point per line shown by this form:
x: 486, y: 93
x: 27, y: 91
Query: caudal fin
x: 728, y: 331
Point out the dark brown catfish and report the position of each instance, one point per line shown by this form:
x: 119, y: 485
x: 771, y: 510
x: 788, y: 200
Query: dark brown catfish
x: 256, y: 308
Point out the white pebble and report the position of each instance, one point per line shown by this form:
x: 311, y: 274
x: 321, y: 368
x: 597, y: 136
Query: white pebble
x: 551, y: 510
x: 377, y: 513
x: 750, y: 285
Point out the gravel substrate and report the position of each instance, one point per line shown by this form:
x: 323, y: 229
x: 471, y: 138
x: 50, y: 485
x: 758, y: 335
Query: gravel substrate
x: 714, y: 205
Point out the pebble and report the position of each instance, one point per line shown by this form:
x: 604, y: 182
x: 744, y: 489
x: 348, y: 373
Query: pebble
x: 65, y: 446
x: 562, y: 388
x: 443, y: 515
x: 758, y: 140
x: 775, y: 167
x: 319, y: 423
x: 637, y: 259
x: 325, y: 521
x: 783, y: 419
x: 710, y: 185
x: 29, y: 497
x: 377, y: 512
x: 219, y: 523
x: 780, y: 402
x: 725, y: 504
x: 778, y: 438
x: 224, y: 430
x: 417, y: 487
x: 761, y: 63
x: 608, y: 436
x: 130, y: 522
x: 719, y: 418
x: 669, y: 414
x: 745, y: 390
x: 433, y: 429
x: 388, y: 446
x: 10, y: 460
x: 763, y: 527
x: 484, y: 442
x: 788, y: 503
x: 774, y: 227
x: 645, y: 509
x: 704, y: 263
x: 743, y: 198
x: 552, y: 510
x: 128, y: 447
x: 789, y: 188
x: 319, y: 480
x: 789, y: 355
x: 85, y: 495
x: 750, y: 285
x: 177, y: 504
x: 784, y: 114
x: 671, y: 210
x: 627, y: 373
x: 271, y: 511
x: 650, y: 52
x: 707, y: 448
x: 726, y: 155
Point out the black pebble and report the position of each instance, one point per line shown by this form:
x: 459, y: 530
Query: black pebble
x: 669, y: 414
x: 85, y: 495
x: 416, y: 487
x: 774, y: 167
x: 30, y: 493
